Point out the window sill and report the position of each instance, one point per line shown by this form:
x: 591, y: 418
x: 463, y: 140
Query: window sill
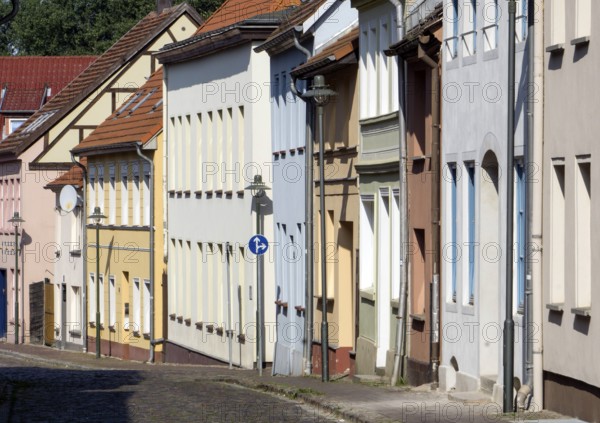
x: 146, y: 335
x: 280, y: 303
x: 75, y: 253
x: 368, y: 294
x: 199, y: 325
x: 417, y: 317
x: 555, y: 49
x: 395, y: 302
x: 582, y: 311
x: 75, y: 333
x: 188, y: 321
x: 172, y: 316
x: 580, y: 41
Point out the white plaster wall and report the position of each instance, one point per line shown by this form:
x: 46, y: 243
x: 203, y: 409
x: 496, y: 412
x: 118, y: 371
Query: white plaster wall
x: 474, y: 121
x: 240, y: 76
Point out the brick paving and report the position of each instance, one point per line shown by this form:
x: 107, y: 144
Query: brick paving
x: 41, y: 384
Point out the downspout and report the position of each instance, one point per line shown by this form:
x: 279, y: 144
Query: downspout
x: 401, y: 317
x: 533, y: 228
x: 435, y: 214
x: 84, y: 255
x: 308, y: 216
x: 153, y: 341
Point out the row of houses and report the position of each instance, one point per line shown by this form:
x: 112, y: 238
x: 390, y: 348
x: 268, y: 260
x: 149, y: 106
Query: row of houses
x: 391, y: 228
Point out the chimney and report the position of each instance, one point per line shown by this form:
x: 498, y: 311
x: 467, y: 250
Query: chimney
x: 163, y: 4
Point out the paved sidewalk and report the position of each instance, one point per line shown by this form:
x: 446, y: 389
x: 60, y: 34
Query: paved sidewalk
x: 342, y: 399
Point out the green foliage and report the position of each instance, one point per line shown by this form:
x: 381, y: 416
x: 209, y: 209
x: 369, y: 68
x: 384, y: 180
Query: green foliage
x: 76, y: 27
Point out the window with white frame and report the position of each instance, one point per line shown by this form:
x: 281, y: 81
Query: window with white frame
x: 491, y: 15
x: 100, y: 189
x: 146, y: 194
x: 101, y: 281
x: 172, y: 140
x: 367, y: 241
x: 112, y: 301
x: 136, y: 195
x: 187, y: 138
x: 557, y: 22
x: 470, y: 229
x: 521, y: 21
x: 91, y: 189
x: 124, y: 194
x: 450, y: 250
x: 557, y: 232
x: 583, y: 19
x: 452, y: 16
x: 519, y: 234
x: 378, y: 72
x: 74, y: 318
x: 136, y: 316
x: 583, y: 233
x: 395, y: 243
x: 383, y: 240
x: 92, y: 297
x: 112, y: 196
x: 469, y: 34
x: 147, y: 306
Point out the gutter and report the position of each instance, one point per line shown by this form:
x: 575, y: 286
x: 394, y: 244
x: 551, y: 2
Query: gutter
x: 308, y: 216
x: 84, y: 323
x: 400, y: 351
x: 153, y: 341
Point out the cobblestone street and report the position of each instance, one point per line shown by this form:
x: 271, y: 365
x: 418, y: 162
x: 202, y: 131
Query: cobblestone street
x: 43, y: 392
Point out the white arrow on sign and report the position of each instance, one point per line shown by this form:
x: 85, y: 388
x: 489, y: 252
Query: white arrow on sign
x: 258, y: 246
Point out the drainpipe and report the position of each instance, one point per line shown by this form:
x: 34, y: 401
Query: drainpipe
x: 531, y: 366
x: 435, y: 212
x: 153, y: 341
x: 308, y: 216
x: 401, y: 317
x: 508, y: 350
x: 83, y: 256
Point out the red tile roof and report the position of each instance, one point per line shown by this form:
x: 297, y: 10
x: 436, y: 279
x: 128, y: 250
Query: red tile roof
x: 234, y: 11
x: 24, y: 79
x: 89, y: 80
x: 138, y: 120
x: 73, y: 176
x: 332, y: 53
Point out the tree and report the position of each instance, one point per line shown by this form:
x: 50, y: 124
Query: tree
x: 75, y: 27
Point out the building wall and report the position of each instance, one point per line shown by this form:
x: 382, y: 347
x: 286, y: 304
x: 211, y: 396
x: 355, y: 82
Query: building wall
x: 570, y: 237
x: 341, y: 222
x: 68, y: 276
x: 208, y: 207
x: 288, y: 132
x: 124, y: 254
x: 474, y: 127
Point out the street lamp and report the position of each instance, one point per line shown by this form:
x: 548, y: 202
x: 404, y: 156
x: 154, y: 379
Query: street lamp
x: 97, y: 216
x: 320, y: 93
x: 258, y: 188
x: 16, y: 221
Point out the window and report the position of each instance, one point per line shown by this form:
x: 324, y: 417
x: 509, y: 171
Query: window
x: 187, y: 138
x: 101, y: 281
x: 452, y: 249
x: 146, y: 306
x: 92, y: 297
x: 100, y: 202
x: 74, y: 319
x: 557, y: 22
x: 367, y: 242
x: 112, y: 301
x: 583, y: 256
x: 491, y: 13
x: 146, y: 194
x: 395, y: 243
x: 451, y: 42
x: 557, y: 233
x: 124, y: 194
x: 91, y: 189
x: 521, y: 21
x: 383, y: 241
x: 199, y: 156
x: 136, y: 194
x: 13, y: 124
x: 240, y: 143
x: 471, y: 230
x: 583, y: 24
x: 112, y: 197
x: 172, y: 140
x: 470, y: 28
x: 520, y: 241
x: 136, y: 305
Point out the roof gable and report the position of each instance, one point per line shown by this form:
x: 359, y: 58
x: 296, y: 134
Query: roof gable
x: 138, y: 120
x: 84, y: 86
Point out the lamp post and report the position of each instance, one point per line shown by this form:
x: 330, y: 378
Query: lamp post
x: 320, y: 93
x: 258, y: 188
x: 97, y: 216
x: 16, y: 221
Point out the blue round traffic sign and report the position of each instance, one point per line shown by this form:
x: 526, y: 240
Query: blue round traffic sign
x: 258, y: 244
